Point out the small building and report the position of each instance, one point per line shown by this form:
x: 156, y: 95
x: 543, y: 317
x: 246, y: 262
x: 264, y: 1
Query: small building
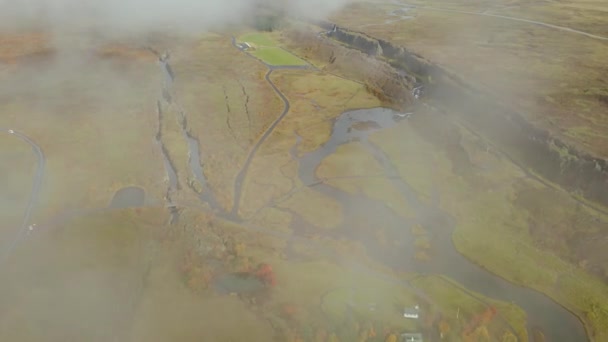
x: 413, y: 313
x: 246, y: 46
x: 411, y: 337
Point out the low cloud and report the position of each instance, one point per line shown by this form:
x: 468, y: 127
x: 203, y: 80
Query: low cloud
x: 137, y: 15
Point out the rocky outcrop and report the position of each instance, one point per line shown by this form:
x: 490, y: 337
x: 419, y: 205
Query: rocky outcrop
x: 391, y: 87
x: 527, y: 145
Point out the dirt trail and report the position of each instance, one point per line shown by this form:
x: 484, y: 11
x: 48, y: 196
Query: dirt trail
x: 238, y: 184
x: 505, y: 17
x: 37, y: 182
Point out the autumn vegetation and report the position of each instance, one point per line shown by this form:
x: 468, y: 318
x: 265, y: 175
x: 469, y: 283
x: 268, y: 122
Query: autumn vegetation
x: 379, y: 78
x: 209, y: 248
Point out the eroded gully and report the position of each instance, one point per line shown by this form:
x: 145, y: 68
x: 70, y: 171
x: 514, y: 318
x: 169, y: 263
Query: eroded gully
x: 168, y: 100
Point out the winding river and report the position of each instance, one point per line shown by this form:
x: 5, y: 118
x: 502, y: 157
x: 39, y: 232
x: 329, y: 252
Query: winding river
x: 557, y: 323
x: 361, y: 213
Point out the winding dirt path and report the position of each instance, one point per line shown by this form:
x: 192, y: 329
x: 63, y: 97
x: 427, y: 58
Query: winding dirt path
x: 505, y: 17
x: 37, y: 182
x: 238, y: 184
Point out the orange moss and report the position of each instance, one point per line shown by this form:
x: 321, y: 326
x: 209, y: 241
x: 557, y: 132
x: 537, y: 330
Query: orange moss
x: 14, y: 47
x: 266, y: 274
x: 289, y: 311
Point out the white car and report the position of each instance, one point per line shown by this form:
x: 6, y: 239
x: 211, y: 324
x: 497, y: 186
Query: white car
x: 11, y: 131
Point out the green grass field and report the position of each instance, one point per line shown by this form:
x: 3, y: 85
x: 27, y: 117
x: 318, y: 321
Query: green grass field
x: 267, y: 48
x: 277, y: 56
x: 259, y: 38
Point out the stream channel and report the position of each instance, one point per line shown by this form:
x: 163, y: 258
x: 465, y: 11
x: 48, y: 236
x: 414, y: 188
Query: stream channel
x: 556, y: 322
x: 194, y: 153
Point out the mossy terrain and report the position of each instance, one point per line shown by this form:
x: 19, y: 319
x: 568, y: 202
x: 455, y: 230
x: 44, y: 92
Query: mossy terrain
x: 346, y: 280
x: 316, y: 208
x: 132, y: 259
x: 551, y: 76
x: 315, y: 99
x: 126, y: 274
x: 513, y: 225
x: 88, y: 269
x: 353, y: 170
x: 95, y: 129
x: 490, y: 188
x: 227, y: 109
x: 461, y: 305
x: 323, y: 97
x: 14, y: 47
x: 281, y: 141
x: 354, y: 298
x: 425, y: 162
x: 585, y: 16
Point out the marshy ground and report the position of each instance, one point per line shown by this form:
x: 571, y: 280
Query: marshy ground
x: 130, y: 269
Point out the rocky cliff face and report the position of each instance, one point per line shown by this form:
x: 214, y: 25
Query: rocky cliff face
x: 529, y: 146
x: 392, y: 87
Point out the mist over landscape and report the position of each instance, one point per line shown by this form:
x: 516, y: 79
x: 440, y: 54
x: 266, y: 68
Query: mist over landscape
x: 117, y: 16
x: 292, y: 170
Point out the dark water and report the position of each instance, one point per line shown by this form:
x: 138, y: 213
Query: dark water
x: 237, y: 283
x: 171, y: 174
x: 557, y: 323
x: 196, y: 167
x: 194, y: 152
x: 195, y: 160
x: 128, y: 197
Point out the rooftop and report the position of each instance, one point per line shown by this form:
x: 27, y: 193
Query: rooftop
x: 411, y: 337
